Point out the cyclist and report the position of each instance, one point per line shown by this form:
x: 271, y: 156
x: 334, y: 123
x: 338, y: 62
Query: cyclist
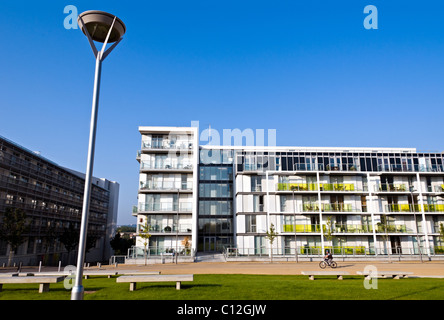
x: 328, y: 258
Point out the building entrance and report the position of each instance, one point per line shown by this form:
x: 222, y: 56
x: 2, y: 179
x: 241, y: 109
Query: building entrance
x: 209, y: 244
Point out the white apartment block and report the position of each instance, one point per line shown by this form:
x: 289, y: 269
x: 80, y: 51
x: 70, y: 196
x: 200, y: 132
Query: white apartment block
x: 360, y: 202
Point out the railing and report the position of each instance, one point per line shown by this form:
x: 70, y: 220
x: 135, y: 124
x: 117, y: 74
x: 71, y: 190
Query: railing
x: 391, y: 187
x: 414, y: 208
x: 166, y: 186
x: 184, y: 206
x: 393, y: 228
x: 315, y: 186
x: 344, y: 228
x: 351, y: 168
x: 147, y: 165
x: 336, y: 228
x: 316, y: 251
x: 410, y: 168
x: 140, y: 252
x: 301, y: 228
x: 168, y: 146
x: 301, y: 251
x: 331, y: 207
x: 170, y: 228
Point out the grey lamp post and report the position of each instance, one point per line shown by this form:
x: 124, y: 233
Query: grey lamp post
x: 105, y: 28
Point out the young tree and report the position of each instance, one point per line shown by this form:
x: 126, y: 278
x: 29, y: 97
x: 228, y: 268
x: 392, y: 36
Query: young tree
x: 70, y: 239
x: 271, y: 236
x: 145, y: 235
x: 328, y: 234
x: 383, y: 226
x: 186, y: 243
x: 13, y: 227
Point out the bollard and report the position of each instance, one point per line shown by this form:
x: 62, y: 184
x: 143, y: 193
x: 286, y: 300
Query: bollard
x: 60, y: 265
x: 40, y: 266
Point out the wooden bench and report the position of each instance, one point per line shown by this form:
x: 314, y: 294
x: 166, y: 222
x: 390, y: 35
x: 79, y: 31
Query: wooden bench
x: 312, y: 274
x: 133, y: 279
x: 385, y: 274
x: 43, y: 281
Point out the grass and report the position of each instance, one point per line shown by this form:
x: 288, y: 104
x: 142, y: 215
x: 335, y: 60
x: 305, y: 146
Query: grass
x: 241, y: 287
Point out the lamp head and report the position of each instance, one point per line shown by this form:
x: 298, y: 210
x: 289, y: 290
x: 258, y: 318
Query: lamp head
x: 98, y: 23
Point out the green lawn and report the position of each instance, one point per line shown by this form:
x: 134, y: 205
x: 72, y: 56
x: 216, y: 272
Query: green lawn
x: 241, y: 287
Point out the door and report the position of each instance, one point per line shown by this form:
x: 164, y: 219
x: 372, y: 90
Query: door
x: 209, y: 244
x: 395, y: 242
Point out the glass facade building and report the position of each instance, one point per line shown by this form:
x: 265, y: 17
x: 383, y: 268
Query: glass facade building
x: 353, y: 201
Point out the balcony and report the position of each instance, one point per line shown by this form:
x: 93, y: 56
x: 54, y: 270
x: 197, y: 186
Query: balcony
x: 170, y: 228
x: 165, y: 145
x: 184, y: 166
x: 336, y: 228
x: 165, y: 207
x: 341, y: 187
x: 390, y: 187
x: 165, y: 186
x: 331, y: 207
x: 392, y: 228
x: 301, y: 228
x: 344, y: 228
x: 414, y: 208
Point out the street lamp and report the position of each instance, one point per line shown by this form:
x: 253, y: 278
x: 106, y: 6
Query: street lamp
x: 104, y: 28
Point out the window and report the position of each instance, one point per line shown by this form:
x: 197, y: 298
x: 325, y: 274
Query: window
x: 250, y: 223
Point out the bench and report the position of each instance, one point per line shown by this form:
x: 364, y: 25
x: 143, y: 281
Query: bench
x: 385, y: 274
x: 86, y: 274
x: 312, y: 274
x: 43, y: 281
x: 133, y: 279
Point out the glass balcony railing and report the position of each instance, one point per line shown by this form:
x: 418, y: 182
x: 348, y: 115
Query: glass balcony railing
x: 167, y: 186
x: 149, y: 165
x: 315, y: 186
x: 297, y: 187
x: 170, y: 228
x: 391, y: 228
x: 168, y: 145
x: 336, y: 228
x: 344, y: 228
x: 390, y: 187
x: 161, y: 207
x: 301, y: 228
x: 414, y: 208
x: 331, y: 207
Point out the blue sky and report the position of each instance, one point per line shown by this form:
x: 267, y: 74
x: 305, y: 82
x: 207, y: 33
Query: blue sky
x: 308, y: 69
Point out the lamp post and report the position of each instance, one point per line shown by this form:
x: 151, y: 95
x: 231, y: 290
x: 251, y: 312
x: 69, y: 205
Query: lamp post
x: 105, y: 28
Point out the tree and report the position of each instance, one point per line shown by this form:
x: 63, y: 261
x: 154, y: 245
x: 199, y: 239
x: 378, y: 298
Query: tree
x: 70, y: 239
x: 145, y: 235
x: 441, y: 231
x: 328, y: 234
x: 121, y: 245
x: 383, y: 226
x: 13, y: 228
x: 186, y: 243
x: 271, y: 236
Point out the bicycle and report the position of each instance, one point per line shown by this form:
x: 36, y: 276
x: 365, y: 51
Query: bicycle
x: 323, y: 264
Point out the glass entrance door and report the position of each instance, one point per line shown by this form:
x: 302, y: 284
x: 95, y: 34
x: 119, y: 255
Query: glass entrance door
x: 209, y: 244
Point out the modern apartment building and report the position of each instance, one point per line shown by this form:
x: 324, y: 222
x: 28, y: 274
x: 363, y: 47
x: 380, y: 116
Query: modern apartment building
x: 52, y: 198
x: 352, y: 201
x: 168, y: 179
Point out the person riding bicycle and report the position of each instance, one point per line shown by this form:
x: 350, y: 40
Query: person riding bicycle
x: 328, y: 258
